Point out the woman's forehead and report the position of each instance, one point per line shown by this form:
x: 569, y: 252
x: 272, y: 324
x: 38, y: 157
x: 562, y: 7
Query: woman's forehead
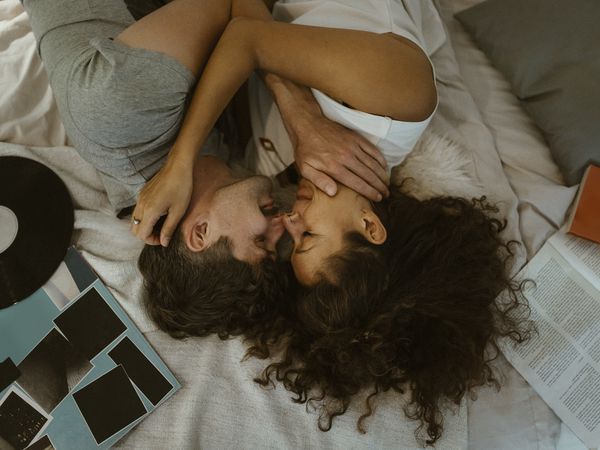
x: 310, y: 263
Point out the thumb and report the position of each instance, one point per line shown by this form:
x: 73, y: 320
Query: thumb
x: 321, y: 180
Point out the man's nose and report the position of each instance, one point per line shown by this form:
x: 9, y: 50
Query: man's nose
x: 295, y: 226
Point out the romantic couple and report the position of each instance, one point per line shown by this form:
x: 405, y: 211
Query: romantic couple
x: 385, y: 291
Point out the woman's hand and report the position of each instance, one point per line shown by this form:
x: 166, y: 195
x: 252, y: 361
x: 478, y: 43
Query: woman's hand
x: 327, y: 152
x: 168, y: 192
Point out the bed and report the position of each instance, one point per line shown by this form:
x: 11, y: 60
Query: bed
x: 219, y: 406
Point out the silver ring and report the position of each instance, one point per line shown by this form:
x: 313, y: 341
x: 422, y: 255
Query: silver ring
x: 136, y: 221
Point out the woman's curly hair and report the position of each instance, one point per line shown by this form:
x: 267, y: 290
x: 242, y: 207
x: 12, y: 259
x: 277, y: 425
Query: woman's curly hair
x: 420, y: 313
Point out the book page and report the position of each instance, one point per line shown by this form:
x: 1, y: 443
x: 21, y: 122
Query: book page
x: 562, y: 360
x: 582, y: 254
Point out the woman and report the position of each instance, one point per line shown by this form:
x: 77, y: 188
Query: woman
x: 401, y: 294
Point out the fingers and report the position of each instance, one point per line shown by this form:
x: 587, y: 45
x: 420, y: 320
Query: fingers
x: 374, y: 164
x: 352, y: 175
x: 152, y: 240
x: 164, y: 198
x: 370, y: 171
x: 145, y: 228
x: 319, y: 179
x: 142, y: 225
x: 168, y: 228
x: 355, y: 182
x: 373, y: 152
x: 136, y: 219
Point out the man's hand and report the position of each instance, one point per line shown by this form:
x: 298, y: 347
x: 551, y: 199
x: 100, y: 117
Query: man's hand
x: 168, y: 192
x: 327, y: 152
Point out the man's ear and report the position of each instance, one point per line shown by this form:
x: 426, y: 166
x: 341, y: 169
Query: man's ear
x: 196, y: 237
x: 372, y: 228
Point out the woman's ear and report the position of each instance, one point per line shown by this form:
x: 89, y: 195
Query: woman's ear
x: 196, y: 237
x: 372, y: 228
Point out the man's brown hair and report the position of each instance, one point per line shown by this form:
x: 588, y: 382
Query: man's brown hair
x: 199, y: 293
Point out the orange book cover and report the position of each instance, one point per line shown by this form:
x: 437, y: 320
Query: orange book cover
x: 585, y: 217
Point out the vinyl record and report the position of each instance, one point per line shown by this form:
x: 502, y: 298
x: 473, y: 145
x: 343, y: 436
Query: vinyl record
x: 36, y: 224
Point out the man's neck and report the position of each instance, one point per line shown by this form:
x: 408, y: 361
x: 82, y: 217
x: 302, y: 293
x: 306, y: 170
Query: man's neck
x: 210, y: 174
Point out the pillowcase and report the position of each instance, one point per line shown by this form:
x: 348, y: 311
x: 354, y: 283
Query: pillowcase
x: 549, y: 50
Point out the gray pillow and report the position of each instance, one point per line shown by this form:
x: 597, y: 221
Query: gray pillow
x: 550, y: 52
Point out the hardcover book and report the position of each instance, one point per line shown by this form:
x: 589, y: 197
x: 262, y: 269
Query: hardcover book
x: 585, y: 216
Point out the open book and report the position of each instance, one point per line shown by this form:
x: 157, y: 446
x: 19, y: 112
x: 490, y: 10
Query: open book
x: 562, y: 361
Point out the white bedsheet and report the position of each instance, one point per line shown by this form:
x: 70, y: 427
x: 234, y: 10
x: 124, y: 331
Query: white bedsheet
x: 219, y: 406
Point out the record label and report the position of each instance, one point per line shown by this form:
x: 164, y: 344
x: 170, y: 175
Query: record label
x: 9, y: 226
x: 36, y: 224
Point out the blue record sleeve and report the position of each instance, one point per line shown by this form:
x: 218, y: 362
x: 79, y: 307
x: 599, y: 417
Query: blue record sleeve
x: 75, y: 371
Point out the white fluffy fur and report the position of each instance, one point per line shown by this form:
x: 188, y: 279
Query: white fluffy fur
x: 437, y: 166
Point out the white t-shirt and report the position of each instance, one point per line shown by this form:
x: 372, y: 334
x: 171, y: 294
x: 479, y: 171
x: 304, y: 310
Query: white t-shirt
x: 271, y: 151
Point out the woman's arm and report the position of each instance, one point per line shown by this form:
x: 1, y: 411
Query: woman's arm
x: 375, y: 73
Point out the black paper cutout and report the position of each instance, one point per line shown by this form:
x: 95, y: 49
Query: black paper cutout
x: 90, y: 324
x: 141, y: 371
x: 8, y: 373
x: 109, y: 403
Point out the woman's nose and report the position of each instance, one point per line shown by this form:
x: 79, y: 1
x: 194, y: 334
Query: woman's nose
x: 274, y: 232
x: 295, y: 226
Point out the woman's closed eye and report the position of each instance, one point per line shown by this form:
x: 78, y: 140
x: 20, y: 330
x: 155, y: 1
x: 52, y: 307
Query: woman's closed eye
x: 304, y: 243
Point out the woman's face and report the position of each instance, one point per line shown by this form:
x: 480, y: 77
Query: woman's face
x: 319, y: 223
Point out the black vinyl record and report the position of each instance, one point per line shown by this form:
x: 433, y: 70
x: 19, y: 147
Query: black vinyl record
x: 35, y: 199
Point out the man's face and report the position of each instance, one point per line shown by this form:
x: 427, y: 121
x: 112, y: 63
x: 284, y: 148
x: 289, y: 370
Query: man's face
x: 244, y: 212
